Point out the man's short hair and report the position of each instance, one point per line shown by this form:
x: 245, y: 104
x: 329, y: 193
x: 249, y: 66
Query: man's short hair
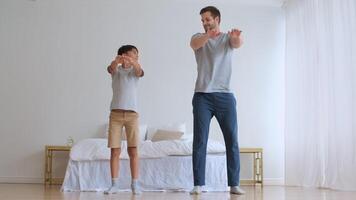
x: 213, y: 10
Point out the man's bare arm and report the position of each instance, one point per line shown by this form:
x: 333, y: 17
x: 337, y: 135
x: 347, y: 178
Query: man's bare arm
x: 235, y: 38
x: 199, y: 41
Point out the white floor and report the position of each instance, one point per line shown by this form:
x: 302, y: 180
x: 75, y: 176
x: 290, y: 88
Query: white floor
x: 41, y: 192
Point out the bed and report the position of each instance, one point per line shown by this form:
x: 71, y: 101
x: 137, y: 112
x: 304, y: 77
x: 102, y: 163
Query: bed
x: 164, y: 166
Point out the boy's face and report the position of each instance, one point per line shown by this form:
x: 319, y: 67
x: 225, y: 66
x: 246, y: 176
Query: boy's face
x: 132, y: 54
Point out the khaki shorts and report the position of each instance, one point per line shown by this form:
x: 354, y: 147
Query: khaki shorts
x: 118, y: 120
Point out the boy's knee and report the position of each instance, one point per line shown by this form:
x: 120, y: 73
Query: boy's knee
x: 115, y: 152
x: 132, y: 151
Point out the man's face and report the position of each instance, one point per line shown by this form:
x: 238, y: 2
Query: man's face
x: 132, y: 54
x: 208, y: 21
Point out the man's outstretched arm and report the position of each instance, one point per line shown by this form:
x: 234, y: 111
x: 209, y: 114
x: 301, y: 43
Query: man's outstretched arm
x: 235, y: 38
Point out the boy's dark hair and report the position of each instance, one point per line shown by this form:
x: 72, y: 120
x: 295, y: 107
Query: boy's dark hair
x: 213, y: 10
x: 125, y: 48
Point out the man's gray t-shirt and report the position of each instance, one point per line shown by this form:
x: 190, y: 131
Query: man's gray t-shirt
x: 214, y: 65
x: 124, y: 87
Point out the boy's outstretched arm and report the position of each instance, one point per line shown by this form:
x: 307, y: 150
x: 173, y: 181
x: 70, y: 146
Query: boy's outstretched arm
x: 138, y: 70
x: 113, y: 66
x: 134, y: 63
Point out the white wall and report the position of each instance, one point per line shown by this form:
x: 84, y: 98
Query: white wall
x: 54, y: 84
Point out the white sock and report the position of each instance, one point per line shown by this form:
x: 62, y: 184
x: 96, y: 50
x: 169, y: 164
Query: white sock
x: 114, y: 186
x: 115, y: 182
x: 236, y: 190
x: 135, y: 187
x: 196, y: 190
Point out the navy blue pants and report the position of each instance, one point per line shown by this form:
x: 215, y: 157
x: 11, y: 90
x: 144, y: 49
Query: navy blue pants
x: 223, y: 107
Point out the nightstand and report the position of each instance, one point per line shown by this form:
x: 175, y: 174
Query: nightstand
x: 257, y: 154
x: 49, y: 150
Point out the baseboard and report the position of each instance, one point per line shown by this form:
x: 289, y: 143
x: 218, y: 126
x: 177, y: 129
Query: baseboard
x: 21, y: 180
x: 273, y: 181
x: 266, y: 181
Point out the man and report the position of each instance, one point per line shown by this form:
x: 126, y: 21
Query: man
x: 125, y: 71
x: 213, y: 97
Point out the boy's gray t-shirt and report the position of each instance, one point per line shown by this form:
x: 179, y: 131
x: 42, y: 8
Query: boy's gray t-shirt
x: 214, y: 65
x: 124, y: 87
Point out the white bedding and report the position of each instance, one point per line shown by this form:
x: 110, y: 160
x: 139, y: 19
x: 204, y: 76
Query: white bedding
x: 96, y: 149
x: 164, y: 165
x: 171, y: 173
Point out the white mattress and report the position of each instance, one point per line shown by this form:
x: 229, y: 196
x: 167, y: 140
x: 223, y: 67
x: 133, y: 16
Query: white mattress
x: 165, y: 173
x: 96, y: 149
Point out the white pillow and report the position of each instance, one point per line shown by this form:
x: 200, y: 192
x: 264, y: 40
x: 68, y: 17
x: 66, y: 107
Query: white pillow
x: 187, y: 137
x: 166, y: 135
x: 169, y: 127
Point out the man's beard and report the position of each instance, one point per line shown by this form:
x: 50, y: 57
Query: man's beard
x: 209, y: 27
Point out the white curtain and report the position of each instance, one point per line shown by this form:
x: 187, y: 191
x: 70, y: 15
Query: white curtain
x: 320, y: 127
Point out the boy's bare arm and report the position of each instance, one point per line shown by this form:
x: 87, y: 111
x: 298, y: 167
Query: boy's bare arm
x: 113, y: 66
x: 135, y: 64
x: 138, y: 70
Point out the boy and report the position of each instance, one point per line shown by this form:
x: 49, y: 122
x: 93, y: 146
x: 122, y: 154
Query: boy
x: 125, y: 72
